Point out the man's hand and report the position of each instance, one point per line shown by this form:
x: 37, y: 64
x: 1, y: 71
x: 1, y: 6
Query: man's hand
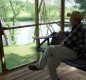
x: 61, y: 32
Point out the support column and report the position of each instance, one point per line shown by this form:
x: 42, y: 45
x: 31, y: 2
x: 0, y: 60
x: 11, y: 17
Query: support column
x: 2, y: 57
x: 37, y: 25
x: 62, y: 14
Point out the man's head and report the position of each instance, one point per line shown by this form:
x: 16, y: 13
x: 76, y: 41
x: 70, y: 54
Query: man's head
x: 75, y: 17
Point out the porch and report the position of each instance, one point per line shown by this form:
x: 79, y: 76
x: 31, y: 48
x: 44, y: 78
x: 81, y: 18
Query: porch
x: 65, y: 72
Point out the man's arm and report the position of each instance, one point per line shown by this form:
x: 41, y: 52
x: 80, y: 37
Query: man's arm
x: 72, y: 37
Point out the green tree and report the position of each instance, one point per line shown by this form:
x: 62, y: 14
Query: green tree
x: 16, y: 7
x: 30, y: 8
x: 82, y: 5
x: 10, y: 6
x: 4, y: 9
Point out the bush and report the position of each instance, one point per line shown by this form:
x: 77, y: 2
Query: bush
x: 23, y: 16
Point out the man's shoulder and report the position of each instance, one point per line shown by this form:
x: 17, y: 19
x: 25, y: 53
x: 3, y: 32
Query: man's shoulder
x: 81, y: 27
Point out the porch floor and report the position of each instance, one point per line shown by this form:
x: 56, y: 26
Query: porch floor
x: 65, y: 72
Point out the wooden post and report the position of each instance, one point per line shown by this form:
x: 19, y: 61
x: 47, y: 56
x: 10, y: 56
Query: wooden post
x: 62, y: 14
x: 37, y: 26
x: 3, y: 64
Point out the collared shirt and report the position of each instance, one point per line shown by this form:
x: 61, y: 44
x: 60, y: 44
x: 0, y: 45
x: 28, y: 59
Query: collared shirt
x: 76, y: 38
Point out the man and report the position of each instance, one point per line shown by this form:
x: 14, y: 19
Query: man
x: 68, y: 48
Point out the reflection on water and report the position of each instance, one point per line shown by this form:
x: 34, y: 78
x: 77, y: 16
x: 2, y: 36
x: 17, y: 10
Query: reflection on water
x: 24, y: 35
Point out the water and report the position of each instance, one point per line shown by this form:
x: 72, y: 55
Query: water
x: 24, y: 35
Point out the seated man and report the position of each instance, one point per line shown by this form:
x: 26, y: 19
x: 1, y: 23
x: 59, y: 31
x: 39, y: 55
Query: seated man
x: 68, y: 48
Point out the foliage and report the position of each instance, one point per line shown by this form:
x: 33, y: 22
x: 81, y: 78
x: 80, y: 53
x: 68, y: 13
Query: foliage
x: 10, y: 9
x: 51, y: 13
x: 4, y: 9
x: 50, y: 10
x: 23, y: 16
x: 30, y: 8
x: 82, y: 4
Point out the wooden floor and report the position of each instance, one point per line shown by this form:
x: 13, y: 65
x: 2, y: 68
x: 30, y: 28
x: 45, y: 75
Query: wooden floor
x: 65, y: 72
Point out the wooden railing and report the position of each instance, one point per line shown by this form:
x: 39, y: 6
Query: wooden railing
x: 15, y: 27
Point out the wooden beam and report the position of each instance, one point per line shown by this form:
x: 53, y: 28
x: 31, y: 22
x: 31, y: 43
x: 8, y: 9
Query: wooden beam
x: 37, y: 25
x: 37, y: 20
x: 3, y: 64
x: 6, y: 28
x: 62, y: 14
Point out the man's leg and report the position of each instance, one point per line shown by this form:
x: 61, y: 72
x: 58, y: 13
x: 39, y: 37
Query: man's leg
x: 52, y: 64
x: 59, y: 52
x: 43, y: 60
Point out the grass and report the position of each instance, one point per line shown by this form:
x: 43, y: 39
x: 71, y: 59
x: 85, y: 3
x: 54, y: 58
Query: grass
x: 17, y: 55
